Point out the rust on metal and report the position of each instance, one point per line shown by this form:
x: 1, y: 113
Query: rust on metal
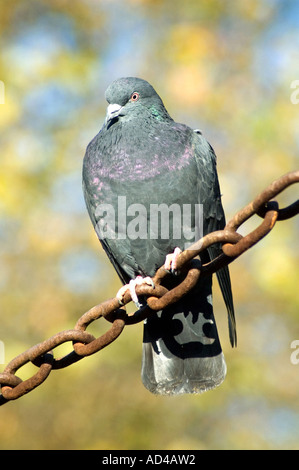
x: 158, y: 297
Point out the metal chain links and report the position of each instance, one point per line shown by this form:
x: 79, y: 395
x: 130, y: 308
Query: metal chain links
x: 85, y: 344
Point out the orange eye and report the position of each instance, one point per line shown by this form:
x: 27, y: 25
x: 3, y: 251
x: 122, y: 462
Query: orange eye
x: 135, y: 96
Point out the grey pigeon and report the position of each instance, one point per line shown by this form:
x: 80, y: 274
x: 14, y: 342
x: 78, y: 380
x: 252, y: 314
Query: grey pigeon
x: 145, y: 180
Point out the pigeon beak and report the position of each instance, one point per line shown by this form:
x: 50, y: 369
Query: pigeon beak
x: 113, y: 111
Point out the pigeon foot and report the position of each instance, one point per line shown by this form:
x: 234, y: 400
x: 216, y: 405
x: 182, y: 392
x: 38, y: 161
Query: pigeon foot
x: 171, y: 260
x: 132, y: 288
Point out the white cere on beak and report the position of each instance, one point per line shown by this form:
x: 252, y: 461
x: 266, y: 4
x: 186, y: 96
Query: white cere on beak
x: 112, y: 111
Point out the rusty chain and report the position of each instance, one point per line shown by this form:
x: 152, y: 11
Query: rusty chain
x: 85, y: 344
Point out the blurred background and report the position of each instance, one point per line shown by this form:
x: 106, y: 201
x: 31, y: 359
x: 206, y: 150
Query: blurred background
x: 224, y: 67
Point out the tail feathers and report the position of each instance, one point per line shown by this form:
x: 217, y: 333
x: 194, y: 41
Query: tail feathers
x: 225, y: 286
x: 223, y: 277
x: 181, y: 349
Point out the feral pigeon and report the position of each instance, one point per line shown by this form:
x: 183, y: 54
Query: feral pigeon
x: 151, y: 189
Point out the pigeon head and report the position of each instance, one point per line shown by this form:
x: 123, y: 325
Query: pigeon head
x: 132, y: 97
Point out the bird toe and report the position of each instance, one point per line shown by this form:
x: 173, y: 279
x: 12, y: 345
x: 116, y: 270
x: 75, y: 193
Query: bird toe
x: 131, y: 287
x: 171, y: 260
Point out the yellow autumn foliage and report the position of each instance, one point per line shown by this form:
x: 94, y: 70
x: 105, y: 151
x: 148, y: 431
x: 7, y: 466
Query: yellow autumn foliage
x: 223, y: 67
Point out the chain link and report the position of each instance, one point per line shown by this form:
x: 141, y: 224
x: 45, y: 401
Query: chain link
x: 158, y: 297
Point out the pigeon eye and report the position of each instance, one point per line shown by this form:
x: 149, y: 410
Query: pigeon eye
x: 135, y: 96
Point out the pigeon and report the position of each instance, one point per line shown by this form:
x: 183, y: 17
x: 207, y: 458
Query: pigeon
x: 151, y: 188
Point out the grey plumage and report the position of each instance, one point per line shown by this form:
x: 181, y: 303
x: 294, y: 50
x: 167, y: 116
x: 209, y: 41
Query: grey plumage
x: 141, y: 156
